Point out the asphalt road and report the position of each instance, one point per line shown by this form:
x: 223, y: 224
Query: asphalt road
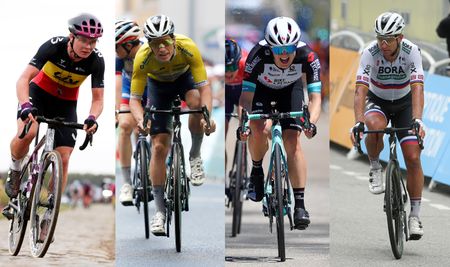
x: 256, y: 246
x: 359, y: 232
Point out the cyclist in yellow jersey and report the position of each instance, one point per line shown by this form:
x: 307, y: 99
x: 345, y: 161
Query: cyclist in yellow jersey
x: 171, y: 64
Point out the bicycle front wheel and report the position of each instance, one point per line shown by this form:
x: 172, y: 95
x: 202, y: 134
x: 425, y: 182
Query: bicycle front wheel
x: 18, y: 224
x: 143, y: 162
x: 394, y: 209
x: 278, y: 203
x: 45, y: 204
x: 177, y: 193
x: 237, y: 199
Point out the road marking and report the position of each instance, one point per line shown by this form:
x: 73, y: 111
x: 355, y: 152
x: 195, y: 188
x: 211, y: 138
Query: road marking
x: 335, y: 167
x: 350, y: 173
x: 425, y: 199
x: 440, y: 206
x: 363, y: 178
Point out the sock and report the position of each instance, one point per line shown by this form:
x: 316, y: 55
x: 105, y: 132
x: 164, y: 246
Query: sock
x: 158, y: 196
x: 375, y: 164
x: 415, y: 207
x: 196, y: 145
x: 15, y: 164
x: 257, y: 164
x: 126, y: 174
x: 299, y: 196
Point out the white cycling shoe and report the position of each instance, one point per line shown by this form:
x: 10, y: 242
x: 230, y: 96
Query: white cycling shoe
x: 415, y: 228
x: 197, y: 173
x: 376, y: 184
x: 126, y: 195
x: 157, y: 224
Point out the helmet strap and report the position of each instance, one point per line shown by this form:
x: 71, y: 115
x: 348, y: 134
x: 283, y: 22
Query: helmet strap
x: 75, y: 55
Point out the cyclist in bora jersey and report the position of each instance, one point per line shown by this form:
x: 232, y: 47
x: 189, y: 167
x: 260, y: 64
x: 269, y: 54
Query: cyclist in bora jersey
x: 389, y: 87
x: 172, y: 65
x: 273, y: 72
x: 127, y: 45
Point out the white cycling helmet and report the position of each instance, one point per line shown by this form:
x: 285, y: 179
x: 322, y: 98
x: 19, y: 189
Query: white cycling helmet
x: 389, y: 23
x: 158, y: 26
x: 126, y: 31
x: 282, y: 31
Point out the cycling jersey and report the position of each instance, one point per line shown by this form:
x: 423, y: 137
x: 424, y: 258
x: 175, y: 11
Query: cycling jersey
x: 386, y: 80
x: 260, y: 69
x: 59, y: 75
x: 233, y: 88
x: 186, y: 57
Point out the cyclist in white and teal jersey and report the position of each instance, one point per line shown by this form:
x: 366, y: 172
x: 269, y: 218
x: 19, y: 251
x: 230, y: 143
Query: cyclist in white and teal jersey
x: 273, y: 72
x: 389, y: 87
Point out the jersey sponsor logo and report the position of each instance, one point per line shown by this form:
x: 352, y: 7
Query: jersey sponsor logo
x: 249, y: 66
x: 56, y: 40
x: 366, y: 70
x: 395, y: 73
x: 98, y: 53
x: 185, y: 51
x: 66, y: 79
x: 315, y: 65
x: 406, y: 47
x: 374, y: 50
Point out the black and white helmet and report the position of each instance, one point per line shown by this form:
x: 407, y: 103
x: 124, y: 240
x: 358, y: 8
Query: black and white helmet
x: 389, y: 23
x: 126, y: 31
x: 282, y: 31
x: 158, y: 26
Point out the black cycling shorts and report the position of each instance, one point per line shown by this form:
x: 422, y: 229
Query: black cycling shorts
x: 287, y: 99
x: 51, y: 107
x: 161, y: 96
x: 232, y: 95
x: 398, y: 112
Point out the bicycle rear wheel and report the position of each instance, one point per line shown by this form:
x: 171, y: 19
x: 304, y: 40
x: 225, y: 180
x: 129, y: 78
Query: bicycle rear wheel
x: 237, y: 194
x: 143, y: 176
x: 394, y: 209
x: 45, y: 204
x: 278, y: 202
x: 18, y: 224
x: 177, y: 194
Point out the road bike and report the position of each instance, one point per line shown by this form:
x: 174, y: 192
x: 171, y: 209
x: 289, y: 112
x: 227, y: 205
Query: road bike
x: 396, y: 195
x: 141, y: 182
x: 238, y: 182
x: 177, y: 188
x: 277, y: 188
x: 39, y: 196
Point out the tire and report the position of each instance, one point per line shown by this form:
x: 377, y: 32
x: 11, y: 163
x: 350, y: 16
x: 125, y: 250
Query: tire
x: 143, y: 162
x: 49, y: 182
x: 278, y: 203
x: 177, y: 194
x: 394, y: 210
x: 237, y: 199
x: 18, y: 224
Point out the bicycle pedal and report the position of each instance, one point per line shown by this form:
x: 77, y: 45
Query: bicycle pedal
x: 7, y: 213
x: 127, y: 203
x: 414, y: 237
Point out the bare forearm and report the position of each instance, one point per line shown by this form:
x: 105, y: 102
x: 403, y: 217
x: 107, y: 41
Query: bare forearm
x: 22, y: 90
x: 96, y: 108
x: 136, y: 109
x: 206, y: 96
x: 360, y: 99
x: 417, y: 101
x: 314, y: 107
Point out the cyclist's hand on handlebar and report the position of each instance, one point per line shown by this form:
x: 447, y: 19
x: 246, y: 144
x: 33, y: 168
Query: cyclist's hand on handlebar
x: 242, y: 135
x: 311, y: 131
x: 27, y: 112
x: 205, y: 128
x: 357, y: 131
x: 90, y: 124
x: 417, y: 124
x: 143, y: 130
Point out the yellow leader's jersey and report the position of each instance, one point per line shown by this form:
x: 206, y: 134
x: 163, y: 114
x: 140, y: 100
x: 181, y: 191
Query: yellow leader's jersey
x: 186, y: 56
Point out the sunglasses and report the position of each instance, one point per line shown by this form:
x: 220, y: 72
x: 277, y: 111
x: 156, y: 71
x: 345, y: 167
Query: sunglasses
x: 285, y: 49
x: 157, y: 44
x: 387, y: 39
x: 231, y: 68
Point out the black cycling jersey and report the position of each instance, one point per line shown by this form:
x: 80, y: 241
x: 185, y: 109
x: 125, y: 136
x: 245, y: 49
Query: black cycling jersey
x: 62, y: 77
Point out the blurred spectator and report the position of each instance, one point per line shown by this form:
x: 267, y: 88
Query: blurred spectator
x: 443, y: 31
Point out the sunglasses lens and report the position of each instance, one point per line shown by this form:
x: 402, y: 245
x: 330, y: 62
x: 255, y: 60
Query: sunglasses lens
x: 231, y: 68
x: 288, y: 49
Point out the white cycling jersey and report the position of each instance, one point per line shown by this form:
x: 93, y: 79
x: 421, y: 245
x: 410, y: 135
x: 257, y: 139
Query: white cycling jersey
x: 390, y: 81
